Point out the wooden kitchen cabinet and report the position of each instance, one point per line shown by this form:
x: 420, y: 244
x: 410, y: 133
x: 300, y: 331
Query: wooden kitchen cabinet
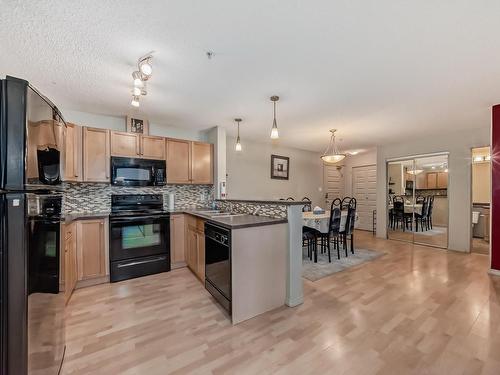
x: 189, y: 162
x: 202, y: 163
x: 90, y: 249
x: 178, y: 161
x: 125, y: 144
x: 431, y: 180
x: 96, y: 155
x: 137, y: 145
x: 437, y: 180
x: 70, y: 265
x: 177, y: 241
x: 442, y: 180
x: 421, y: 182
x: 195, y: 246
x: 73, y: 162
x: 152, y: 147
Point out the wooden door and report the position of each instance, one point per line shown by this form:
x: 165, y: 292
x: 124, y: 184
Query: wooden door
x: 73, y: 153
x: 431, y: 180
x: 364, y: 189
x: 177, y: 240
x: 91, y: 256
x: 442, y: 180
x: 333, y: 182
x: 152, y: 147
x: 201, y: 163
x: 178, y: 161
x: 125, y: 144
x: 96, y: 155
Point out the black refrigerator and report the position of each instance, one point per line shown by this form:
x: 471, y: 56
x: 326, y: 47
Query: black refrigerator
x: 32, y: 302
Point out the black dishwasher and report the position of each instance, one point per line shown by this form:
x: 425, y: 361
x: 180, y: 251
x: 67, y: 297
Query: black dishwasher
x: 218, y: 263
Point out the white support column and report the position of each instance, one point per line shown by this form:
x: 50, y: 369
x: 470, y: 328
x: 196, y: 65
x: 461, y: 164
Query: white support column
x: 294, y: 291
x: 217, y: 136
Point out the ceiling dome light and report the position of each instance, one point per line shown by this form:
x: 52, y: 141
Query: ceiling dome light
x: 135, y: 101
x: 137, y: 79
x: 237, y: 146
x: 415, y: 171
x: 332, y: 153
x: 145, y: 66
x: 274, y: 129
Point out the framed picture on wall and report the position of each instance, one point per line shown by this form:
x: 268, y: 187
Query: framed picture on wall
x: 280, y: 167
x: 137, y: 124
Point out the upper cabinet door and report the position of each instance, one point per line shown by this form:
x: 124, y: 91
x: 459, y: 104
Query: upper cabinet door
x: 442, y: 180
x: 73, y: 170
x: 178, y: 161
x: 202, y: 164
x: 152, y: 147
x: 431, y: 180
x: 125, y: 144
x: 96, y: 155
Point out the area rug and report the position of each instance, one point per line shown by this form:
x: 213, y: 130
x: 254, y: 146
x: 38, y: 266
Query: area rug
x: 316, y: 271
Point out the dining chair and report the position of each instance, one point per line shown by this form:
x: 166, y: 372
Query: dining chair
x: 399, y: 215
x: 345, y: 203
x: 391, y: 210
x: 333, y: 234
x: 429, y: 211
x: 307, y: 206
x: 420, y: 199
x: 348, y: 232
x: 422, y: 216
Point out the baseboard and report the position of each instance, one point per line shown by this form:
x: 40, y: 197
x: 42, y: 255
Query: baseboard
x: 91, y: 282
x: 295, y: 302
x: 494, y: 272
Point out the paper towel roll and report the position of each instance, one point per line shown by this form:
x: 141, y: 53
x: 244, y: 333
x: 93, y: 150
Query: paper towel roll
x: 171, y: 200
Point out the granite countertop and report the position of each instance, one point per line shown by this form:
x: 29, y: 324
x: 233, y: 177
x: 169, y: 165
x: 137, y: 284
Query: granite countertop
x: 232, y: 222
x: 69, y: 217
x: 261, y: 201
x: 238, y: 222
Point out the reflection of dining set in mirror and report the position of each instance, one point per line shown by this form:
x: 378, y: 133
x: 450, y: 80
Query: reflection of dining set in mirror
x: 417, y: 201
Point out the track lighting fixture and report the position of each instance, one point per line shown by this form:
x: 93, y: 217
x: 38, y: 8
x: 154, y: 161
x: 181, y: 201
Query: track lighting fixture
x: 140, y: 76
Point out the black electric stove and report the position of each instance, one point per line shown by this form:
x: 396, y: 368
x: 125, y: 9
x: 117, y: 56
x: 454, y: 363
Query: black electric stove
x: 139, y: 240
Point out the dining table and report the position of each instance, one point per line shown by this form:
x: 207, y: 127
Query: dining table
x: 410, y: 208
x: 321, y: 221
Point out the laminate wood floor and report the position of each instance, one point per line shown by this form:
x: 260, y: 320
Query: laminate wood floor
x: 416, y: 310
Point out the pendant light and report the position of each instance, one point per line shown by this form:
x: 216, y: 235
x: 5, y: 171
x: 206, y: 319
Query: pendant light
x: 274, y: 129
x: 237, y: 147
x: 332, y: 153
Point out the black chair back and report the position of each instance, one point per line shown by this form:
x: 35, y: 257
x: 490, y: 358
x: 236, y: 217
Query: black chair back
x: 420, y: 199
x: 398, y: 207
x: 351, y: 218
x: 430, y: 205
x: 345, y: 203
x: 307, y: 206
x: 334, y: 226
x: 337, y: 202
x: 425, y: 205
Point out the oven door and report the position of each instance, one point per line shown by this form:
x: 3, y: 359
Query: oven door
x: 139, y: 236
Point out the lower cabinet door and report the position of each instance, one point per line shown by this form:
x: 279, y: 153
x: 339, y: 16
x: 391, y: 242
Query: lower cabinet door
x: 91, y: 257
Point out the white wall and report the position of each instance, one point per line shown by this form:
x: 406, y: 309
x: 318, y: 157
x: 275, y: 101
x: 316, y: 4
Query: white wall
x: 217, y: 136
x: 459, y: 145
x: 368, y: 157
x: 249, y: 173
x: 119, y: 123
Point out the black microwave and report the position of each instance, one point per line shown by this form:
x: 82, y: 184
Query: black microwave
x: 138, y: 172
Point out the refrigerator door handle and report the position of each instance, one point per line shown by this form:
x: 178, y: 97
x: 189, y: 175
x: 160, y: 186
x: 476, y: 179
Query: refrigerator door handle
x: 3, y: 137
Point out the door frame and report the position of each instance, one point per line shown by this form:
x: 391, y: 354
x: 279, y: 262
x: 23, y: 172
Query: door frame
x: 352, y: 183
x: 472, y: 203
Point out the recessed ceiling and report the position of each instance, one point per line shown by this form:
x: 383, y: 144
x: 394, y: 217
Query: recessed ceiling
x: 378, y: 71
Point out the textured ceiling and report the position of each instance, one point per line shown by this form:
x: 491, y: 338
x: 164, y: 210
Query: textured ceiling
x: 379, y: 71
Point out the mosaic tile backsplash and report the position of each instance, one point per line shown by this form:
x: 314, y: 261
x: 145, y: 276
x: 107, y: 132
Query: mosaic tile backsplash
x: 95, y: 197
x: 264, y: 209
